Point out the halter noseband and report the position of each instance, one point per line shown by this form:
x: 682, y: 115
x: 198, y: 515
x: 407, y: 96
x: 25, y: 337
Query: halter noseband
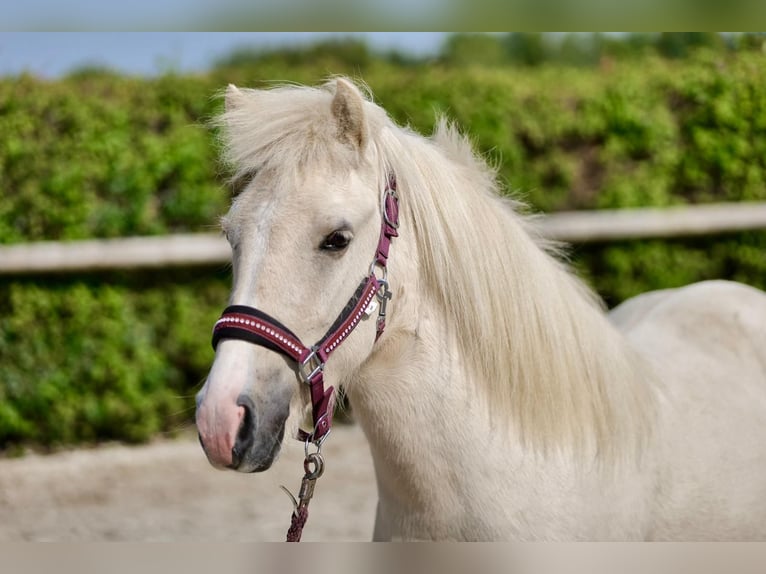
x: 254, y: 326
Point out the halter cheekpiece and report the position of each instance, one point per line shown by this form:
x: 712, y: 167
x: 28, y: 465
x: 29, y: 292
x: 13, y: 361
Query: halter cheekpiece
x: 254, y: 326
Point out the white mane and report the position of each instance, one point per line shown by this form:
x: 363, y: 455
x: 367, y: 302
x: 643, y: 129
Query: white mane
x: 537, y: 335
x: 547, y: 357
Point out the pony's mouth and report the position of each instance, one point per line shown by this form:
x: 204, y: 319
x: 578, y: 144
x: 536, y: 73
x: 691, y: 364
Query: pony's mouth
x: 262, y: 458
x: 258, y: 455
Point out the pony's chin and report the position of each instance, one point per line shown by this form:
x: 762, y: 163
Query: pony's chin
x: 261, y: 458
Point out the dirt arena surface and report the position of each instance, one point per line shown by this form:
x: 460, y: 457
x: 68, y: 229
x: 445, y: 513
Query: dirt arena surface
x: 167, y: 491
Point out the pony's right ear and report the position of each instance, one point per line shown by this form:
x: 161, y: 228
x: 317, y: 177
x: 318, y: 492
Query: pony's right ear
x: 233, y: 98
x: 348, y: 111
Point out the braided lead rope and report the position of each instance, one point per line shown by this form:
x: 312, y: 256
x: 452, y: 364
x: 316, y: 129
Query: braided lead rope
x: 301, y: 506
x: 300, y: 516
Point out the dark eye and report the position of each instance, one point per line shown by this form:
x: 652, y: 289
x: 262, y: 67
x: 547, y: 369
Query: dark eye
x: 229, y: 238
x: 337, y: 241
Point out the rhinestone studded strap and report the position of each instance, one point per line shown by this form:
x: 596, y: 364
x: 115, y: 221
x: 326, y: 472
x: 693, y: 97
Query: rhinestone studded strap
x: 255, y: 326
x: 348, y: 321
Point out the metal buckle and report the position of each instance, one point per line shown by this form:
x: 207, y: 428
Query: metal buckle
x: 390, y: 193
x: 313, y: 362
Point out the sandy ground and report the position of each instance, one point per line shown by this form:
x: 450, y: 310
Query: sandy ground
x: 167, y: 491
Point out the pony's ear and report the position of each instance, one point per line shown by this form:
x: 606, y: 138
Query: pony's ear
x: 348, y: 111
x: 233, y: 99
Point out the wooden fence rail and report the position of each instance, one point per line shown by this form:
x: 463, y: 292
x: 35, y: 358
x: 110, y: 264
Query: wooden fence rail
x: 212, y: 249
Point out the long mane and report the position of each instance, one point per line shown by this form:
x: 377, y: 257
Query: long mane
x: 544, y: 355
x: 536, y: 336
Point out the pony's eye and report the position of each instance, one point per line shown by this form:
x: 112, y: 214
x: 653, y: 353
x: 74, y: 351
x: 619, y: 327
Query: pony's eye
x: 337, y: 241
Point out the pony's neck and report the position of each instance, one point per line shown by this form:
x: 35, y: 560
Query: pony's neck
x: 535, y: 346
x: 424, y: 428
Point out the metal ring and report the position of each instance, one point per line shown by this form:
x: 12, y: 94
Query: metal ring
x: 316, y: 459
x: 317, y: 443
x: 374, y: 264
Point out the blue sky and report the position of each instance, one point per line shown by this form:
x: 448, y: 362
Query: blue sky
x: 51, y: 54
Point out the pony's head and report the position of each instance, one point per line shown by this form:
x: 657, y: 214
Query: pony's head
x: 303, y: 232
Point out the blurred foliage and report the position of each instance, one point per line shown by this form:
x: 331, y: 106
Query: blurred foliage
x: 115, y: 356
x: 603, y: 124
x: 587, y: 49
x: 330, y: 54
x: 98, y: 155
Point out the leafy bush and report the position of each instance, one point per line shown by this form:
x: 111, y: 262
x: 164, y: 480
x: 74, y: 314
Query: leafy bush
x: 119, y: 355
x: 102, y: 156
x: 95, y: 358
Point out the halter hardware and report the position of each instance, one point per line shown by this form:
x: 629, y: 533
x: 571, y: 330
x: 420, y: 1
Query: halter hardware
x: 391, y: 220
x: 310, y: 367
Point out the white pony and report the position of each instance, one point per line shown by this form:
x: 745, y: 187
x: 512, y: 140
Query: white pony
x: 501, y: 402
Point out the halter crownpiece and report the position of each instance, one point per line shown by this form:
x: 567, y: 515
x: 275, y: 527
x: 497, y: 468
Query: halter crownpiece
x: 254, y: 326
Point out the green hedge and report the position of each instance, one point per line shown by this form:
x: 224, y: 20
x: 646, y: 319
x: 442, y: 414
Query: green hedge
x: 104, y: 156
x: 120, y: 355
x: 88, y: 358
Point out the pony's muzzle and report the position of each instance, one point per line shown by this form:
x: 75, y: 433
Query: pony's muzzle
x: 226, y: 432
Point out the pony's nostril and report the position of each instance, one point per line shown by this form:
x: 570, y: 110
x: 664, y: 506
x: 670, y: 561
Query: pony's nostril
x: 245, y: 433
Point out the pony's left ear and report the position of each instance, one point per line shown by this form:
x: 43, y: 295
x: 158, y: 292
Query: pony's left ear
x: 233, y: 98
x: 348, y: 111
